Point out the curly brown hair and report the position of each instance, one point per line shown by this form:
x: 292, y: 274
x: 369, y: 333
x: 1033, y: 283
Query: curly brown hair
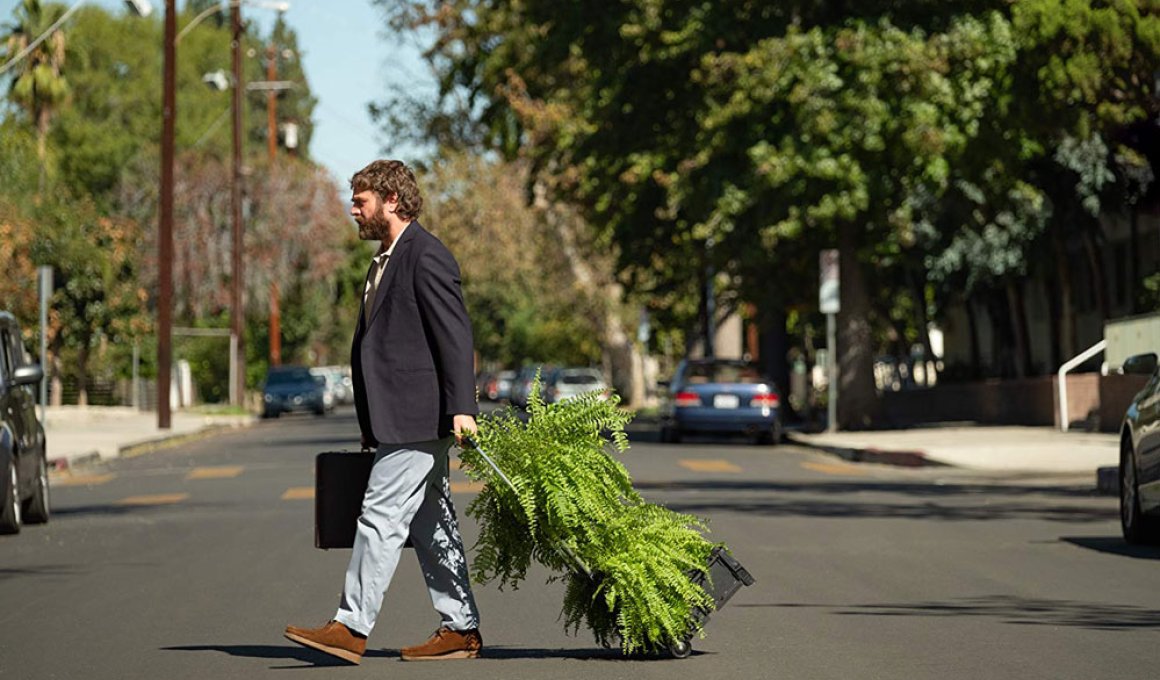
x: 387, y: 178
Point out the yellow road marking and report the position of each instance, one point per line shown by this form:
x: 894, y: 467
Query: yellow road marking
x: 154, y: 499
x: 219, y: 472
x: 466, y: 487
x: 709, y: 465
x: 835, y: 469
x: 80, y: 480
x: 299, y: 493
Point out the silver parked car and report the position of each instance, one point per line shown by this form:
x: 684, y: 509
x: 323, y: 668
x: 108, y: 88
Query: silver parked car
x: 567, y: 383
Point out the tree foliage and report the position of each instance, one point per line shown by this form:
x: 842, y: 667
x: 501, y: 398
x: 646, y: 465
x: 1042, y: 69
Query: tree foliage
x: 94, y: 222
x: 927, y: 140
x: 524, y: 302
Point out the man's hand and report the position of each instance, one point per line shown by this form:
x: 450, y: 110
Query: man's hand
x: 367, y: 443
x: 463, y: 425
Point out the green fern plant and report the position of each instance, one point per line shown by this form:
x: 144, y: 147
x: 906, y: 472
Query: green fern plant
x: 625, y: 562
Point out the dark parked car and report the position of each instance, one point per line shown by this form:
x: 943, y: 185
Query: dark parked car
x: 502, y: 386
x: 1140, y: 457
x: 293, y: 388
x: 721, y: 396
x: 24, y: 484
x: 522, y: 384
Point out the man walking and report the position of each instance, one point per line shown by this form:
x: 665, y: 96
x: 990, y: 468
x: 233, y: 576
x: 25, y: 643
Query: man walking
x: 413, y: 369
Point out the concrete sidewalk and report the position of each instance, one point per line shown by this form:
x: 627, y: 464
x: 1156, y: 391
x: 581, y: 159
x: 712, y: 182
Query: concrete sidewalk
x: 83, y: 434
x: 991, y: 448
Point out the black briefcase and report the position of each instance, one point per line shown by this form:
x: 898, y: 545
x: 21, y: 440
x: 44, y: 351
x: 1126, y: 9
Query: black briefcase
x: 340, y: 482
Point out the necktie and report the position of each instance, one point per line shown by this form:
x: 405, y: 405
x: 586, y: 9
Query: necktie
x: 374, y: 276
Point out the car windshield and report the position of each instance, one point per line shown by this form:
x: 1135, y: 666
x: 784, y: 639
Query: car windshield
x: 289, y: 376
x: 699, y: 374
x: 580, y: 379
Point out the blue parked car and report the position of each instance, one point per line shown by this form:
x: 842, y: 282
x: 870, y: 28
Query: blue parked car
x: 721, y: 396
x: 292, y: 388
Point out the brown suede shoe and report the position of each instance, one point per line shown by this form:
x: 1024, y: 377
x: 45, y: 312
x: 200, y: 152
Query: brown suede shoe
x: 334, y: 638
x: 446, y: 644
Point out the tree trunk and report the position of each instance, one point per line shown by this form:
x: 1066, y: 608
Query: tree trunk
x: 42, y: 120
x: 773, y: 356
x: 1134, y: 260
x: 1018, y: 329
x: 82, y: 375
x: 1067, y: 340
x: 1099, y: 280
x: 1053, y: 322
x: 56, y: 384
x: 857, y: 400
x: 976, y: 351
x: 929, y: 360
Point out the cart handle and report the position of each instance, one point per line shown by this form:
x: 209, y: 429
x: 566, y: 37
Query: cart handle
x: 562, y: 547
x: 475, y: 445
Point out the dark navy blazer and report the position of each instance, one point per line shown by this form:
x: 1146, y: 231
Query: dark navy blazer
x: 413, y: 363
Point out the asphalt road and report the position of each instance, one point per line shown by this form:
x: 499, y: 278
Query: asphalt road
x: 188, y: 563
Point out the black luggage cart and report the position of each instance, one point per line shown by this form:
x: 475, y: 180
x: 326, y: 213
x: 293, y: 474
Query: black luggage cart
x: 725, y: 577
x: 722, y: 577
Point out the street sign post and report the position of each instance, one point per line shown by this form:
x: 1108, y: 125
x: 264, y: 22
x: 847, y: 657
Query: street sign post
x: 830, y: 303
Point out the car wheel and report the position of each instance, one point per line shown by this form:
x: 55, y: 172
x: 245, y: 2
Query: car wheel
x: 36, y: 508
x: 770, y: 437
x: 10, y: 510
x: 670, y: 435
x: 1137, y: 528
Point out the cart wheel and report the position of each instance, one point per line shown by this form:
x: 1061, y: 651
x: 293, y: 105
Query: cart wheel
x: 681, y: 649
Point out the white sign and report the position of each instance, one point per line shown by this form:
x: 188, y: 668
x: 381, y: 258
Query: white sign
x: 829, y: 295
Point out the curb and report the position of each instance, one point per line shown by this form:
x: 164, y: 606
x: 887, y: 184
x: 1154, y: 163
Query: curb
x: 872, y: 455
x: 142, y: 447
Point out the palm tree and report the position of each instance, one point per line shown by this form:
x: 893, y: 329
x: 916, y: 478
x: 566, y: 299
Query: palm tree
x: 37, y: 85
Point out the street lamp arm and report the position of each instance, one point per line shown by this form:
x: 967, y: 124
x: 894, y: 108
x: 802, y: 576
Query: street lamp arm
x: 277, y: 6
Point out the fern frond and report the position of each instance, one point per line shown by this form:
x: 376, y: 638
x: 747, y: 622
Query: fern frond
x: 569, y: 491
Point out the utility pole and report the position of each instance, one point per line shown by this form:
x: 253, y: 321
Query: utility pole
x: 165, y: 225
x: 237, y: 320
x: 272, y: 148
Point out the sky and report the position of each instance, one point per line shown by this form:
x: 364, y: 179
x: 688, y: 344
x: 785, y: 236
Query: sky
x: 349, y: 62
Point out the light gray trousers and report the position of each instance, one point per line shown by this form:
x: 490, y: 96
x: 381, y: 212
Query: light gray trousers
x: 406, y: 495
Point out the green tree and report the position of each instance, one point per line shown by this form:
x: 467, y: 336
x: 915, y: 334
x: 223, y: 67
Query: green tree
x: 38, y: 84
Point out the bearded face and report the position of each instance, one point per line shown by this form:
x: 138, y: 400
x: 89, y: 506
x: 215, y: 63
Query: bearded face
x: 373, y: 227
x: 367, y: 211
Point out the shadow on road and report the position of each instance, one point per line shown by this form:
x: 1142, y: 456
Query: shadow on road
x: 41, y: 570
x: 116, y: 510
x: 1114, y: 545
x: 876, y: 499
x: 339, y: 443
x: 309, y: 657
x: 1013, y: 610
x: 312, y: 658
